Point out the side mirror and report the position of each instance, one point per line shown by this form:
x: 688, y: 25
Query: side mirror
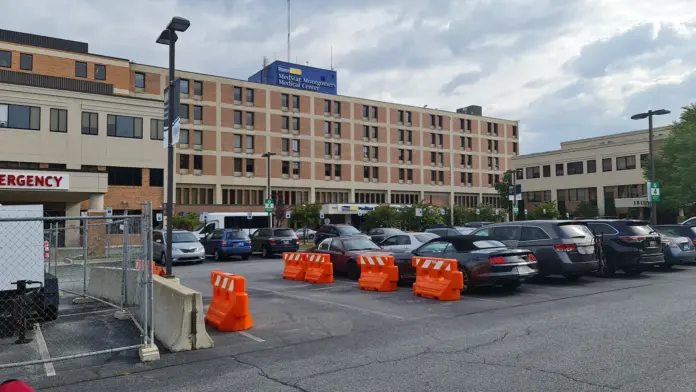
x: 158, y: 241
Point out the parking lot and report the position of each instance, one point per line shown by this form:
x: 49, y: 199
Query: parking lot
x: 626, y: 333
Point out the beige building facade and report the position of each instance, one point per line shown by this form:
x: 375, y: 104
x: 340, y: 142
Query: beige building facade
x: 606, y: 171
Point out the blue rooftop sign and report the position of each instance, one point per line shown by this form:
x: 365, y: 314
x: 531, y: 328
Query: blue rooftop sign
x: 301, y: 77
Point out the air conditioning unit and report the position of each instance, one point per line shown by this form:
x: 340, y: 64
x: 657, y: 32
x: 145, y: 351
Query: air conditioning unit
x: 295, y: 176
x: 237, y: 126
x: 197, y: 172
x: 197, y: 147
x: 401, y: 181
x: 237, y: 174
x: 249, y: 174
x: 286, y: 176
x: 183, y: 171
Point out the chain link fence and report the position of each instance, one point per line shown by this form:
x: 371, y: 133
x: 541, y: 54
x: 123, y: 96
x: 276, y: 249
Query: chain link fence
x: 73, y: 287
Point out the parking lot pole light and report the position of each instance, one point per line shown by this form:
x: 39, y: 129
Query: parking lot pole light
x: 168, y: 37
x: 649, y: 114
x: 268, y: 156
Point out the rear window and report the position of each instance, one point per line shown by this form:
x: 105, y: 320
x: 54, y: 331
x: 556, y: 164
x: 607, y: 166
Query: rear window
x: 347, y: 230
x: 487, y: 244
x: 283, y: 233
x: 237, y: 235
x: 639, y: 229
x: 574, y: 231
x: 425, y: 237
x: 693, y: 230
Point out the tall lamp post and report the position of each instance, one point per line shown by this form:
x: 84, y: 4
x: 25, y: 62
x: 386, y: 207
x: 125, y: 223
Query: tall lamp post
x: 268, y: 156
x: 168, y: 37
x: 649, y: 114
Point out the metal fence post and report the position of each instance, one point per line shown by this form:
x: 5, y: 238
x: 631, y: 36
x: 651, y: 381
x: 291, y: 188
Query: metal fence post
x: 85, y: 250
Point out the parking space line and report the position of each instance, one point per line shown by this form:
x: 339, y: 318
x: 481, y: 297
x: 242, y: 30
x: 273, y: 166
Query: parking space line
x: 562, y: 288
x: 321, y: 301
x: 252, y: 337
x: 538, y: 295
x: 326, y: 288
x: 43, y: 351
x: 487, y: 300
x: 85, y: 313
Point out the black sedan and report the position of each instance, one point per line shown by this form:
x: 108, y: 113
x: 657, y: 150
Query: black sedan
x: 483, y: 261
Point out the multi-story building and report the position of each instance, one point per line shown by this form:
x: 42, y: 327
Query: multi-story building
x: 97, y: 122
x: 605, y: 171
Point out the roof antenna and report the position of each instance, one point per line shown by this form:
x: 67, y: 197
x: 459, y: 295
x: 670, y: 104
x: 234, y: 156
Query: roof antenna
x: 332, y: 58
x: 288, y: 31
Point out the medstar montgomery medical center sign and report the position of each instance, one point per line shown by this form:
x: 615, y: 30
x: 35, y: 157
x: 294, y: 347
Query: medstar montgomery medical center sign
x: 299, y: 77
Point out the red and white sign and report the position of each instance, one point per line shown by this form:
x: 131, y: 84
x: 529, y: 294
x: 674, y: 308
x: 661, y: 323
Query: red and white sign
x: 34, y: 180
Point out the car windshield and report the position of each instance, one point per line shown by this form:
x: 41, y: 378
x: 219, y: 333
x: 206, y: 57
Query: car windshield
x: 464, y: 230
x: 283, y: 233
x: 237, y: 235
x: 575, y: 231
x: 184, y: 236
x: 347, y: 230
x: 425, y: 237
x: 693, y: 230
x: 359, y: 244
x: 487, y: 244
x: 640, y: 229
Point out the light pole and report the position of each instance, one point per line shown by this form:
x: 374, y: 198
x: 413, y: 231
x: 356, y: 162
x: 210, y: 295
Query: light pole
x: 268, y: 156
x: 168, y: 37
x: 649, y: 114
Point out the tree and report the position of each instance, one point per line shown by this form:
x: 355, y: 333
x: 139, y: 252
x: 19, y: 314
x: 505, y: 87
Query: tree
x: 187, y: 221
x: 503, y: 189
x: 280, y: 213
x: 487, y: 213
x: 675, y: 166
x: 545, y: 210
x: 460, y: 215
x: 382, y: 216
x: 306, y: 215
x: 587, y: 210
x: 432, y: 216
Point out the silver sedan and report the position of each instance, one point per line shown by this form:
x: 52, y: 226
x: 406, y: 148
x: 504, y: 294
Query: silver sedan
x: 406, y: 242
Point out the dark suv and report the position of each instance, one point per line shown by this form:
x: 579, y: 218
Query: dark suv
x: 560, y: 247
x: 328, y: 231
x: 629, y: 245
x: 271, y: 241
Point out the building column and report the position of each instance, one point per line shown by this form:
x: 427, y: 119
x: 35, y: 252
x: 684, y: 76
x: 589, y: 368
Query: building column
x: 72, y: 227
x: 96, y: 202
x: 601, y: 205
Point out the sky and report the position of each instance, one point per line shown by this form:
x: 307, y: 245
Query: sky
x: 566, y: 69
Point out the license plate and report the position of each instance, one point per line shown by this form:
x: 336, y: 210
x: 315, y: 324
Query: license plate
x: 653, y: 244
x: 586, y: 250
x: 286, y: 242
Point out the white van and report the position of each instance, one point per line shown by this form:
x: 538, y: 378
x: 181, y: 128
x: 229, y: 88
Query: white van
x: 231, y: 220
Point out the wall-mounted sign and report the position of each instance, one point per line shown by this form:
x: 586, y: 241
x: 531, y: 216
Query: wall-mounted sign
x: 634, y: 202
x: 34, y: 180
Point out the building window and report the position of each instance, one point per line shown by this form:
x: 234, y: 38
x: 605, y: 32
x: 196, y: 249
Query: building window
x: 184, y: 161
x: 546, y: 170
x: 238, y: 117
x: 327, y: 106
x: 644, y: 160
x: 337, y: 129
x: 197, y: 138
x: 374, y: 113
x: 296, y: 168
x: 198, y: 113
x: 514, y: 131
x: 157, y: 177
x: 296, y: 146
x: 125, y: 176
x: 139, y: 80
x: 20, y: 117
x: 559, y: 169
x: 285, y: 146
x: 250, y: 165
x: 284, y: 122
x: 591, y: 166
x: 296, y: 102
x: 250, y: 95
x: 99, y: 72
x: 184, y: 137
x: 59, y: 120
x: 90, y: 123
x: 238, y: 141
x: 237, y: 165
x: 124, y: 126
x: 80, y: 69
x: 285, y: 167
x: 514, y: 148
x: 250, y: 118
x: 606, y: 165
x: 26, y: 62
x: 327, y: 170
x: 337, y: 170
x: 284, y: 101
x: 533, y: 172
x: 250, y: 142
x: 183, y: 86
x: 575, y: 168
x: 156, y: 129
x: 295, y: 124
x: 337, y: 150
x: 5, y: 59
x: 337, y: 108
x: 197, y: 88
x: 237, y: 94
x: 626, y: 163
x: 183, y: 111
x: 198, y: 162
x: 365, y: 111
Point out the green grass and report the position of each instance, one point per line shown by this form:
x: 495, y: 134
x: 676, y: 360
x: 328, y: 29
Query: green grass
x: 306, y: 246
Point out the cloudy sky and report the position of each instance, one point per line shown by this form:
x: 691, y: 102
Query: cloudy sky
x: 565, y: 68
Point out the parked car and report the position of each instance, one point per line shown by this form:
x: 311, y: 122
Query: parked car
x: 678, y: 231
x: 333, y: 230
x: 272, y: 241
x: 305, y: 233
x: 450, y: 231
x: 379, y: 234
x: 186, y: 247
x: 344, y: 252
x: 629, y: 245
x: 223, y: 243
x: 483, y: 261
x: 690, y: 222
x: 476, y: 225
x: 561, y: 247
x: 677, y: 250
x: 406, y: 242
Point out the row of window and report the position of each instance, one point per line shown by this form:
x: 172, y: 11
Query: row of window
x: 133, y: 176
x: 627, y: 162
x: 285, y: 100
x: 197, y: 112
x: 26, y: 61
x: 587, y: 194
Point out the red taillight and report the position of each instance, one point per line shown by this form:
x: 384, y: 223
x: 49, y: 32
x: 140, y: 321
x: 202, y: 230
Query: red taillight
x: 565, y: 247
x: 693, y: 241
x: 632, y: 238
x: 497, y: 260
x: 223, y: 243
x: 297, y: 239
x: 272, y: 241
x: 531, y: 257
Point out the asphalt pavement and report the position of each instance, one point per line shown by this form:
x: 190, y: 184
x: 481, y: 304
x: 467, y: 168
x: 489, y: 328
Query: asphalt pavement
x: 621, y: 334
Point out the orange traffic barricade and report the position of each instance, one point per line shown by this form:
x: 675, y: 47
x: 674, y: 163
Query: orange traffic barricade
x: 229, y: 308
x: 319, y: 268
x: 378, y: 273
x: 295, y: 266
x: 157, y: 270
x: 437, y: 278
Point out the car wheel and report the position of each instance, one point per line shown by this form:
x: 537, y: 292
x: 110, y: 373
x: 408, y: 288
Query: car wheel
x: 512, y: 286
x: 246, y: 257
x: 216, y: 255
x: 311, y: 237
x: 265, y: 252
x: 666, y: 266
x: 163, y: 259
x: 572, y: 278
x: 606, y: 267
x: 633, y: 271
x: 352, y: 270
x: 467, y: 288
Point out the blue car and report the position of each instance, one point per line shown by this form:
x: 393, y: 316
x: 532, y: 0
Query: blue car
x: 223, y: 243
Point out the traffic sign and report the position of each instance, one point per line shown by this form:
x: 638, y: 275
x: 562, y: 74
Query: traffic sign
x: 249, y: 215
x: 327, y: 221
x: 360, y: 213
x: 321, y: 215
x: 654, y: 195
x: 288, y: 215
x: 443, y: 211
x: 159, y: 217
x: 109, y: 211
x: 478, y: 211
x: 419, y: 212
x: 269, y: 204
x: 515, y: 209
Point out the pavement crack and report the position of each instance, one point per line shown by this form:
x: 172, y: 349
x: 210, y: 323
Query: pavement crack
x: 267, y: 376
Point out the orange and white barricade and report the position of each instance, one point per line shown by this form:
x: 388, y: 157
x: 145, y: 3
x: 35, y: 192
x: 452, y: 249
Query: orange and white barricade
x: 47, y: 249
x: 437, y: 278
x: 319, y: 268
x: 157, y: 270
x: 295, y: 265
x: 378, y: 273
x: 229, y: 308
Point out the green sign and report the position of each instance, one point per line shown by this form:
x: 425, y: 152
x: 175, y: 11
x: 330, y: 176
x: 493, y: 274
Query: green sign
x: 515, y: 209
x: 654, y: 188
x: 269, y: 204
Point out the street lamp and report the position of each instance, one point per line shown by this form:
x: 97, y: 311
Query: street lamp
x: 649, y: 114
x: 268, y: 156
x: 168, y: 37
